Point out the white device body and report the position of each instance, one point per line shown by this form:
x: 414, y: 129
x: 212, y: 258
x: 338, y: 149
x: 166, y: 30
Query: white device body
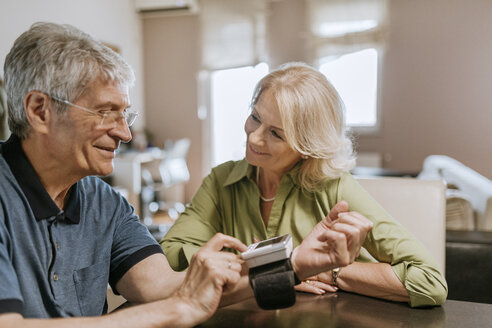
x: 268, y: 251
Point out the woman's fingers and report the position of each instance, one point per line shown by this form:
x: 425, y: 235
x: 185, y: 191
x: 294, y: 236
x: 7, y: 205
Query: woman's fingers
x: 308, y: 288
x: 315, y: 287
x: 331, y: 244
x: 353, y: 236
x: 356, y: 219
x: 321, y: 285
x: 340, y: 207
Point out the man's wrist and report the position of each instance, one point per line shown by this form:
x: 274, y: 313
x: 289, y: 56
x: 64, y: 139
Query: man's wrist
x: 181, y: 311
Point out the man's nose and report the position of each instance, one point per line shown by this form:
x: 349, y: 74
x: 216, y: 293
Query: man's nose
x: 122, y: 130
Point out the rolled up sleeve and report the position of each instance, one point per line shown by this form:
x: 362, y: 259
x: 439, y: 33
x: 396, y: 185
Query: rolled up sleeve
x: 424, y: 283
x: 391, y: 243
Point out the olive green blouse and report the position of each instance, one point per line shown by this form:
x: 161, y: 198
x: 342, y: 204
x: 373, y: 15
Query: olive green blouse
x: 228, y: 202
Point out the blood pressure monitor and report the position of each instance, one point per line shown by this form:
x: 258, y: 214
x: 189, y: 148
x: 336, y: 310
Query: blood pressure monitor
x: 268, y: 251
x: 271, y: 275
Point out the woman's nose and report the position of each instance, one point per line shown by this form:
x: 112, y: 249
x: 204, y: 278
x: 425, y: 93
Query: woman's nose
x: 256, y: 136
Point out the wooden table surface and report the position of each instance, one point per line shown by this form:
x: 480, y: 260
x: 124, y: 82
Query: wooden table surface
x: 350, y: 310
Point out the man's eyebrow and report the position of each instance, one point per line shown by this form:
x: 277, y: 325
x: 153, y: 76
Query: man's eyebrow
x: 111, y: 105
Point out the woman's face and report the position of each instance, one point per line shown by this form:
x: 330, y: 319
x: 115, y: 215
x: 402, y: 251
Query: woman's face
x: 266, y: 144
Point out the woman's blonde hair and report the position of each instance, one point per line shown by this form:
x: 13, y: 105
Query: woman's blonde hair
x: 312, y: 114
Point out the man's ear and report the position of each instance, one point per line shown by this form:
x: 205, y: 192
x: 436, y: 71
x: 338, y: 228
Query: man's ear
x: 37, y: 105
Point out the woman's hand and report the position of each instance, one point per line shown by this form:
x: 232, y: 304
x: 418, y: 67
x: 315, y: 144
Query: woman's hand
x: 333, y: 242
x: 355, y: 226
x: 318, y: 284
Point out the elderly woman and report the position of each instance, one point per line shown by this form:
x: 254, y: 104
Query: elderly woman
x: 295, y: 172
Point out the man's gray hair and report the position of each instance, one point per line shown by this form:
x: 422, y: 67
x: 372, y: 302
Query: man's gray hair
x: 59, y: 60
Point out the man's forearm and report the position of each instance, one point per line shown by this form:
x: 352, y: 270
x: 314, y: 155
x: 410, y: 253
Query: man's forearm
x: 171, y: 312
x: 162, y: 288
x: 150, y: 280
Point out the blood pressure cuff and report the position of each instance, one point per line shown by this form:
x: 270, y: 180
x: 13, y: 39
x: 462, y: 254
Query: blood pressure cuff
x: 273, y: 285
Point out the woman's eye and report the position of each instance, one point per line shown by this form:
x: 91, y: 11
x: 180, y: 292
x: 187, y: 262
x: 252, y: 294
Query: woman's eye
x: 276, y: 135
x: 256, y: 119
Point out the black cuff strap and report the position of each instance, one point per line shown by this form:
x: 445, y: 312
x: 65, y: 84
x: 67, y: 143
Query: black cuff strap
x: 273, y: 285
x: 296, y: 278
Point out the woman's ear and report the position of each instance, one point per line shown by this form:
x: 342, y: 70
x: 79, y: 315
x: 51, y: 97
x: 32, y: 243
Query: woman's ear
x: 37, y: 105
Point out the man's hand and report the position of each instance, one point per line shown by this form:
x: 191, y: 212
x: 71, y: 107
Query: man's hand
x: 333, y: 242
x: 210, y: 273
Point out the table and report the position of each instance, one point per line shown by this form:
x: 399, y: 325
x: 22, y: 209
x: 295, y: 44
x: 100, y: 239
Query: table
x: 343, y: 309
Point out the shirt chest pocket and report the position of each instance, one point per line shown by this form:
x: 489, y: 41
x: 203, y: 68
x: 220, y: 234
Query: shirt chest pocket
x: 91, y: 284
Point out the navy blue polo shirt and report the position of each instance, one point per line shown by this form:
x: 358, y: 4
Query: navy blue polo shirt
x: 57, y: 263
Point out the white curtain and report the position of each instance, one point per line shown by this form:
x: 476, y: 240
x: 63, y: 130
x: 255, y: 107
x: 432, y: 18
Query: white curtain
x: 343, y: 26
x: 233, y: 33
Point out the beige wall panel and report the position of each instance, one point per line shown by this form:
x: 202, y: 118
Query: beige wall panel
x: 171, y: 55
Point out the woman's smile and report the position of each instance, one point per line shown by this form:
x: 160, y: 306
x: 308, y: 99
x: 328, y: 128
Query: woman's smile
x: 254, y: 151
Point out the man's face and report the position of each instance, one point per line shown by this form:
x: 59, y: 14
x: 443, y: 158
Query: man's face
x: 80, y: 141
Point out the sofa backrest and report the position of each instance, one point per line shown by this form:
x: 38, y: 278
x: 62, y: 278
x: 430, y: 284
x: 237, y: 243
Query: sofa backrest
x: 419, y: 205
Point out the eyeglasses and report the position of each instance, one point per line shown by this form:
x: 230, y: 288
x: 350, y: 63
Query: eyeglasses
x: 109, y: 117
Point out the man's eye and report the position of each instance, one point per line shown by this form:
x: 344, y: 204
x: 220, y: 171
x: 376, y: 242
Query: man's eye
x: 105, y: 112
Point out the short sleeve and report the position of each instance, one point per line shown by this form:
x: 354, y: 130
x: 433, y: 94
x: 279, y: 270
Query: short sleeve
x: 10, y: 294
x: 132, y: 242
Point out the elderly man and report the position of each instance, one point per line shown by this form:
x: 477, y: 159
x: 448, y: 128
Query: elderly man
x: 64, y: 234
x: 4, y: 130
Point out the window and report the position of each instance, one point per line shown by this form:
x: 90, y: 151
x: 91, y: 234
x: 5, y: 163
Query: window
x: 355, y: 76
x: 348, y: 37
x: 231, y: 92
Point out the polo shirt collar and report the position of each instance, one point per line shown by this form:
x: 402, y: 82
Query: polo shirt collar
x: 40, y: 201
x: 243, y: 169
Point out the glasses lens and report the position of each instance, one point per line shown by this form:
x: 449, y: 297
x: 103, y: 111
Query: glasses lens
x: 130, y: 117
x: 113, y: 117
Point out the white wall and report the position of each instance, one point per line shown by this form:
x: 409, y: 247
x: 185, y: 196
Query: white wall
x: 111, y: 21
